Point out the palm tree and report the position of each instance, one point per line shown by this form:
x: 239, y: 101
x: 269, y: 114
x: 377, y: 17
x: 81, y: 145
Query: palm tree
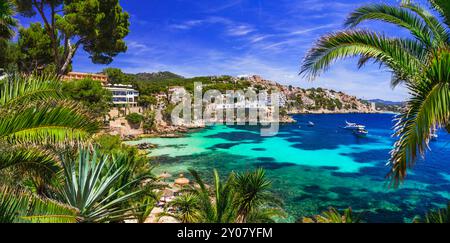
x: 422, y: 63
x: 36, y: 120
x: 216, y: 206
x: 187, y: 208
x: 90, y: 186
x: 252, y: 196
x: 242, y: 198
x: 7, y: 22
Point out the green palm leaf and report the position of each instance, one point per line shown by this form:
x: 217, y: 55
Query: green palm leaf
x: 402, y: 56
x: 7, y: 22
x: 333, y: 216
x: 220, y: 209
x: 19, y: 90
x: 441, y: 216
x: 21, y: 206
x: 252, y: 193
x: 188, y: 210
x: 54, y: 122
x: 440, y: 33
x: 394, y: 15
x: 29, y: 160
x: 443, y: 7
x: 429, y: 108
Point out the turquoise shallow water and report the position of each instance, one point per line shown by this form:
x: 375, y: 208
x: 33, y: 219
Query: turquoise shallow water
x: 315, y: 168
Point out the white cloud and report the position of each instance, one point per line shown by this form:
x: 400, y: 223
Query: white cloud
x: 239, y: 30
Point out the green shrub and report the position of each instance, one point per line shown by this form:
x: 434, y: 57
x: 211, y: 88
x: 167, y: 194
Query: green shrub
x: 135, y: 118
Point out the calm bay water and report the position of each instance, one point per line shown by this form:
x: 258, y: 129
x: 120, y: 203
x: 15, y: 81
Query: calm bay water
x: 313, y: 168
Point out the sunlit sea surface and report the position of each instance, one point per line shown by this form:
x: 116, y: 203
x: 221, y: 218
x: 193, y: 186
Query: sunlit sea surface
x: 313, y: 168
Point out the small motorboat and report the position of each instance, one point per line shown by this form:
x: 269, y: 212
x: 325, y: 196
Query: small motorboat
x: 361, y: 132
x: 311, y: 124
x: 353, y: 126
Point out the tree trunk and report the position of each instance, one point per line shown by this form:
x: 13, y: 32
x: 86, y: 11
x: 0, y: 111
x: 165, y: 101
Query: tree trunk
x: 68, y: 57
x: 65, y: 66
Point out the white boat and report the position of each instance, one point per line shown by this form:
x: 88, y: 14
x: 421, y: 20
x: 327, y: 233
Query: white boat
x: 353, y: 126
x: 311, y: 124
x: 360, y: 132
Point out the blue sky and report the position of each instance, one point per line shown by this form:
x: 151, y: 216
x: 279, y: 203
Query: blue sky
x: 244, y: 37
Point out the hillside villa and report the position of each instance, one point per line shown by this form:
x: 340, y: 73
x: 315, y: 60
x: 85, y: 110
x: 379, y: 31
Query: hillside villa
x: 122, y: 94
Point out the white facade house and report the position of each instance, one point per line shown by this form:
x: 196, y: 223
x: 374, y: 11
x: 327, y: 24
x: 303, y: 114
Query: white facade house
x: 123, y: 94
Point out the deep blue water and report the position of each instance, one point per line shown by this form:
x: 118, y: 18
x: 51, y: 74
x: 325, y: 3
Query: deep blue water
x: 313, y: 168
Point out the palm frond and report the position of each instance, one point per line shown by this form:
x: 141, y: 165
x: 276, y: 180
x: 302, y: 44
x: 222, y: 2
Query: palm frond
x: 333, y: 216
x: 187, y: 208
x: 429, y: 108
x: 402, y: 56
x: 443, y: 7
x: 218, y: 206
x: 52, y: 121
x: 251, y: 192
x: 21, y: 206
x: 7, y: 22
x: 19, y: 90
x: 440, y: 216
x: 393, y: 15
x: 441, y: 36
x: 29, y: 160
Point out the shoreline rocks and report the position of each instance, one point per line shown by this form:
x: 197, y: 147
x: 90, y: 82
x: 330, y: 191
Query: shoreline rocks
x: 145, y: 146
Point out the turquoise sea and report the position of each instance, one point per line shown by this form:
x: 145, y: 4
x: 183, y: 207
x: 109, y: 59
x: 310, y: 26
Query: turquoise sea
x: 313, y: 168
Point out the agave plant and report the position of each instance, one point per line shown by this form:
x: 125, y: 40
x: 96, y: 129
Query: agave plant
x: 34, y: 118
x: 91, y: 187
x: 421, y: 63
x: 21, y: 206
x: 7, y: 22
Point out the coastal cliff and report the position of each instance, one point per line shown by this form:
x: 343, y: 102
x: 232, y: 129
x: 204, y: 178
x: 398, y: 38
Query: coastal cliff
x: 315, y: 100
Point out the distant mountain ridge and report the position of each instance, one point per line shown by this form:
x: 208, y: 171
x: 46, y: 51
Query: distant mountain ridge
x: 157, y: 76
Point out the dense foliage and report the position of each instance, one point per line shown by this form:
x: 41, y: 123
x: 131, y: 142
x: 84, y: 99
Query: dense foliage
x: 99, y: 26
x: 7, y: 22
x: 91, y: 94
x: 135, y: 118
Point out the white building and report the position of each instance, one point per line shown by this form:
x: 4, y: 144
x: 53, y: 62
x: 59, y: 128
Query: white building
x: 123, y: 94
x: 3, y: 75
